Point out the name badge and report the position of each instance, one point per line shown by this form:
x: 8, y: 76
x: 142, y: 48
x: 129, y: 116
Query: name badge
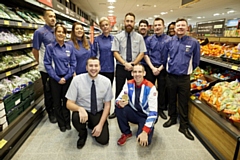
x: 188, y: 48
x: 68, y: 53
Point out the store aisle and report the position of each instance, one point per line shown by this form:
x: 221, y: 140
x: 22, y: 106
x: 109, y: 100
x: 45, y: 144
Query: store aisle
x: 47, y: 142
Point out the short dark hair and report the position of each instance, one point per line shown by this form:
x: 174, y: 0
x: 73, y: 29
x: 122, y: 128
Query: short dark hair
x: 181, y: 19
x: 158, y: 19
x: 172, y: 23
x: 130, y: 14
x: 143, y: 21
x: 59, y: 23
x: 92, y: 58
x: 47, y: 10
x: 139, y: 64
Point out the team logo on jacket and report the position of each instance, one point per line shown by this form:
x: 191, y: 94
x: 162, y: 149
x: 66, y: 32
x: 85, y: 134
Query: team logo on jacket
x: 188, y: 48
x: 155, y: 94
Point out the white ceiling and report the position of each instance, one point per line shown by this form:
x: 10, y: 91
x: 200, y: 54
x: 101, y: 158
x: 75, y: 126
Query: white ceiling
x: 146, y: 9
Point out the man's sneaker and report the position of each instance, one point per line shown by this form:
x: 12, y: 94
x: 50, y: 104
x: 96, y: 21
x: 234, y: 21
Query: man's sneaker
x: 122, y: 140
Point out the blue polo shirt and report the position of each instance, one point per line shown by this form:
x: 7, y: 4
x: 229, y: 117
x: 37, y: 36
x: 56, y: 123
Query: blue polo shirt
x: 143, y: 61
x: 155, y: 45
x: 82, y: 56
x: 59, y: 61
x: 41, y: 38
x: 102, y: 49
x: 183, y: 55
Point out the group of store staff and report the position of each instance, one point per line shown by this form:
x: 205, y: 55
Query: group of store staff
x: 65, y: 66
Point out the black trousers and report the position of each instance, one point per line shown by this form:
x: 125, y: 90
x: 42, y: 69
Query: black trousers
x: 109, y: 75
x: 93, y: 120
x: 121, y: 76
x: 161, y: 85
x: 59, y: 101
x: 179, y: 90
x: 48, y: 101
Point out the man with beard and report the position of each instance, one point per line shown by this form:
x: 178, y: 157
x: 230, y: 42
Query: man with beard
x: 143, y: 30
x: 183, y: 56
x: 128, y: 47
x: 41, y: 38
x: 154, y: 57
x: 89, y: 97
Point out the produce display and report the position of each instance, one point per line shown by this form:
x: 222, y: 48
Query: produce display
x: 24, y: 35
x: 21, y: 57
x: 7, y: 62
x: 11, y: 15
x: 16, y: 83
x: 202, y: 82
x: 6, y: 37
x: 225, y: 97
x: 197, y: 73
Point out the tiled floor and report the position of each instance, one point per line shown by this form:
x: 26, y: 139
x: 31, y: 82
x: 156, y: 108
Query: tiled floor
x: 48, y: 143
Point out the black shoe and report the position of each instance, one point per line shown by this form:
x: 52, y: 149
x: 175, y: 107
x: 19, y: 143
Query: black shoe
x: 62, y: 129
x: 169, y: 123
x: 68, y: 127
x: 81, y: 141
x: 113, y: 115
x: 162, y: 114
x: 52, y: 119
x: 187, y: 134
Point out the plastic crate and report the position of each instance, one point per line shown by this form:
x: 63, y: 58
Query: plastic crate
x: 14, y: 113
x: 12, y: 101
x: 28, y: 102
x: 27, y: 92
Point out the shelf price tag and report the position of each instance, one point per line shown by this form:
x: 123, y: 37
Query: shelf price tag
x: 2, y: 143
x: 19, y: 24
x: 9, y: 48
x: 234, y: 67
x: 8, y: 73
x: 30, y: 25
x: 193, y: 97
x: 28, y: 45
x: 6, y: 22
x: 34, y: 110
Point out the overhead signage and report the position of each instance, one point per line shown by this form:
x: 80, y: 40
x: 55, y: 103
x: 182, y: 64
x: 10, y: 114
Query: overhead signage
x: 46, y: 2
x: 211, y: 27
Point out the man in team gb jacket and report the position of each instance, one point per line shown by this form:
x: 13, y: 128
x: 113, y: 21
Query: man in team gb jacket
x: 137, y: 103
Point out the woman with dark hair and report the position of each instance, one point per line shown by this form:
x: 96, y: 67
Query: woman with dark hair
x: 60, y: 63
x: 81, y: 46
x: 170, y: 29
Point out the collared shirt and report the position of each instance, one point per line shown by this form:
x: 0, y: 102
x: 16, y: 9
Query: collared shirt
x: 155, y: 45
x: 183, y: 55
x: 80, y: 91
x: 143, y: 61
x: 59, y: 61
x: 120, y: 44
x: 82, y: 56
x: 41, y: 38
x: 102, y: 49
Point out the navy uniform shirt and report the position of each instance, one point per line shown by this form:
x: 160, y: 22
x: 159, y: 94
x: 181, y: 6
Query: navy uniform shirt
x: 143, y: 61
x: 82, y: 56
x: 41, y: 38
x: 183, y: 55
x: 102, y: 49
x: 59, y: 61
x: 155, y: 45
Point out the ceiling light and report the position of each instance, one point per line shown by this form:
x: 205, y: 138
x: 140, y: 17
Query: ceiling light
x: 111, y: 7
x: 189, y: 19
x: 231, y: 11
x: 154, y: 6
x: 149, y: 17
x: 171, y: 10
x: 203, y: 17
x: 216, y: 14
x: 223, y: 13
x: 110, y: 11
x: 199, y: 17
x: 137, y: 5
x: 110, y: 14
x: 111, y: 0
x: 156, y: 16
x: 162, y: 13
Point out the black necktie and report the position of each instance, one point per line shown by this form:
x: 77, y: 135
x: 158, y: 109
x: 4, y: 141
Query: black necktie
x: 129, y: 49
x: 93, y: 99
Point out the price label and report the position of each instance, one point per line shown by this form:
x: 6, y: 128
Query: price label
x: 19, y: 24
x: 36, y: 26
x: 30, y: 25
x: 28, y: 45
x: 9, y: 48
x: 6, y: 22
x: 34, y: 110
x: 2, y: 143
x: 193, y: 97
x: 235, y: 67
x: 8, y: 73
